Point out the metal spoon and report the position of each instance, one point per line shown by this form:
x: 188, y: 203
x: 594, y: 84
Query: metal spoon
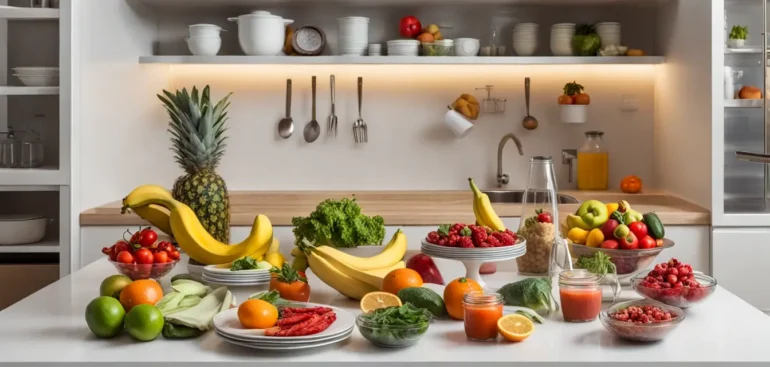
x: 529, y: 122
x: 312, y: 129
x: 286, y: 125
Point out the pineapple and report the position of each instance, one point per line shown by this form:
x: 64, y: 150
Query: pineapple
x: 197, y: 129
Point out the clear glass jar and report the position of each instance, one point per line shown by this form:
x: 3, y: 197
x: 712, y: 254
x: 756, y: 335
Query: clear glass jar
x: 580, y: 294
x: 539, y: 224
x: 593, y: 163
x: 480, y: 314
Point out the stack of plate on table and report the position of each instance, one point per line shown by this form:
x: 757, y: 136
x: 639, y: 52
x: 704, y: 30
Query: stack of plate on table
x: 37, y: 76
x: 228, y: 327
x: 225, y: 276
x: 490, y: 253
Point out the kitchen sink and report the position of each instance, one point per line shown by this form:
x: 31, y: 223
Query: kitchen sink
x: 517, y: 197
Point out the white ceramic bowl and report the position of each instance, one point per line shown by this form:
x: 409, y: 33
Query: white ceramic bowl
x: 205, y: 30
x: 524, y: 50
x: 38, y: 80
x: 261, y: 33
x: 33, y: 70
x: 574, y: 114
x: 22, y: 229
x: 204, y: 46
x: 735, y: 43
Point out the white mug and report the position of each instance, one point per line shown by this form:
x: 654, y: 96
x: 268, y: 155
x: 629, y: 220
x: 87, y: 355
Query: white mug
x: 456, y: 122
x: 466, y: 46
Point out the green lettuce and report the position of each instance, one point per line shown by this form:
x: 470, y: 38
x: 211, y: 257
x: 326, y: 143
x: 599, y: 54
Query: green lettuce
x: 338, y: 223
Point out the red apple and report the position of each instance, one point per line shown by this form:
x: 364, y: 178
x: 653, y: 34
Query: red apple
x: 409, y: 27
x: 608, y: 228
x: 610, y: 244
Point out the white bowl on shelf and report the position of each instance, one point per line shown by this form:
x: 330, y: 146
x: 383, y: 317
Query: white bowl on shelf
x: 205, y: 30
x: 573, y: 113
x: 35, y: 70
x: 467, y: 46
x: 204, y: 46
x: 22, y: 229
x: 734, y: 43
x: 38, y: 80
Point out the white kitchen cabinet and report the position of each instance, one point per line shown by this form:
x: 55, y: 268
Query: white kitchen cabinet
x: 692, y: 243
x: 740, y: 262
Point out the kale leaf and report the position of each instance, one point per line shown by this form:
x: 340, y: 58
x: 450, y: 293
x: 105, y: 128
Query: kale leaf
x: 338, y: 223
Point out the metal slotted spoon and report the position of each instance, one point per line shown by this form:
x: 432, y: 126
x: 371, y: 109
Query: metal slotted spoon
x: 360, y: 133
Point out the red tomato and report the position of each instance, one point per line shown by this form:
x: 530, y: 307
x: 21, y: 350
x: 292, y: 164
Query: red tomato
x: 610, y: 244
x: 409, y: 27
x: 121, y: 246
x: 148, y: 237
x: 565, y: 99
x: 638, y: 228
x: 163, y: 245
x: 647, y: 242
x: 629, y: 242
x: 161, y: 257
x: 143, y: 256
x: 125, y: 257
x: 582, y: 98
x: 174, y: 255
x: 543, y: 217
x: 136, y: 237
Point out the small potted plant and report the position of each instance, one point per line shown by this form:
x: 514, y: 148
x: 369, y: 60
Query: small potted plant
x: 574, y: 104
x: 738, y: 35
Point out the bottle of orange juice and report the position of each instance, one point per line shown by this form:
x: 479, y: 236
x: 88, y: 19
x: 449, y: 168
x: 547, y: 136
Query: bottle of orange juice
x: 593, y: 163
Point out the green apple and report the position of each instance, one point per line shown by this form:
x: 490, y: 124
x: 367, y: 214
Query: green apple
x: 593, y: 212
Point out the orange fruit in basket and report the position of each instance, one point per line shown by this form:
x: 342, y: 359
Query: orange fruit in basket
x: 454, y: 293
x: 257, y: 314
x: 140, y: 292
x: 399, y: 279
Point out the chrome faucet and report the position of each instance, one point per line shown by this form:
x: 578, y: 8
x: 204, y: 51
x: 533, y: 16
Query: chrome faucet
x: 568, y: 156
x: 502, y: 178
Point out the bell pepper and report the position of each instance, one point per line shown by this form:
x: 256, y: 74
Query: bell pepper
x: 595, y: 238
x: 424, y: 265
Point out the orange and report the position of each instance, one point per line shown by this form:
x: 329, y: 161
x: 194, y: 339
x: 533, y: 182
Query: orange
x: 140, y: 292
x: 454, y: 293
x: 399, y: 279
x: 376, y: 300
x: 257, y: 314
x: 515, y: 327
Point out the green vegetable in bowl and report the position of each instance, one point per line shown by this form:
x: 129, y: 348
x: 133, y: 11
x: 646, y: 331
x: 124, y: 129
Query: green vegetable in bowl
x: 394, y: 326
x: 534, y: 293
x: 338, y: 223
x: 586, y: 42
x: 249, y: 263
x: 739, y: 32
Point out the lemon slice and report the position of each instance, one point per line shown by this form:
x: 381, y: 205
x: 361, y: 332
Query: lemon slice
x: 376, y: 300
x: 515, y: 327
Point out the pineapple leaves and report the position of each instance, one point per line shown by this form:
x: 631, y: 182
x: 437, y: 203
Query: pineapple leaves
x: 197, y: 127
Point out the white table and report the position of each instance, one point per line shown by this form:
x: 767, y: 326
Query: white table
x: 49, y: 326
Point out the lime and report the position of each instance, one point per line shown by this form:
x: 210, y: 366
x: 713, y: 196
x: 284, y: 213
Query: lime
x: 144, y: 322
x: 104, y: 316
x: 113, y: 284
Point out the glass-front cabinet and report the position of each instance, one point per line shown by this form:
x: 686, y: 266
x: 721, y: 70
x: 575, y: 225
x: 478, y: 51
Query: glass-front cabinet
x: 745, y: 125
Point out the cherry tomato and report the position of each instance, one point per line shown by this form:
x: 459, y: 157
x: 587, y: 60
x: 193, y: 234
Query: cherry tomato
x: 136, y: 237
x: 144, y: 256
x: 163, y: 246
x: 174, y: 255
x: 148, y: 237
x: 639, y: 229
x: 161, y: 257
x: 647, y: 242
x: 544, y: 217
x: 121, y: 246
x: 125, y: 257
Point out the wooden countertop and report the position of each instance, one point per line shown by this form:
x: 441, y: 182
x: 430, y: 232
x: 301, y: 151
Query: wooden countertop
x: 406, y: 207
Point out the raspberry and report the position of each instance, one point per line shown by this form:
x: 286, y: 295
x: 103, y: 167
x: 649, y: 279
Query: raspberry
x: 453, y: 240
x: 433, y: 237
x: 443, y: 242
x: 485, y: 244
x: 465, y: 242
x: 494, y: 242
x: 479, y: 237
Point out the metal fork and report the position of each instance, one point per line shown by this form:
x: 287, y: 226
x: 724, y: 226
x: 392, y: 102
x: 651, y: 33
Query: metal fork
x: 331, y: 126
x: 360, y: 130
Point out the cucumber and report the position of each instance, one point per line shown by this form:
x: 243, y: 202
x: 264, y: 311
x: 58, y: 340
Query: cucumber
x: 654, y: 226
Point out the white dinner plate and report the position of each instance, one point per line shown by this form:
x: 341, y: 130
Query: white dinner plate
x: 227, y: 323
x: 216, y: 270
x: 236, y: 283
x: 281, y: 341
x: 287, y: 347
x: 239, y: 277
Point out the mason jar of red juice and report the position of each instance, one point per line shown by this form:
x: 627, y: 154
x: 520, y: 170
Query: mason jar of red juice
x: 581, y: 295
x: 481, y: 312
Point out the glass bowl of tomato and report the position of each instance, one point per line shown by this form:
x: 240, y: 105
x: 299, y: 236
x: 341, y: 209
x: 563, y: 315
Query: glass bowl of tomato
x: 144, y: 271
x: 630, y: 320
x: 627, y: 262
x: 682, y: 297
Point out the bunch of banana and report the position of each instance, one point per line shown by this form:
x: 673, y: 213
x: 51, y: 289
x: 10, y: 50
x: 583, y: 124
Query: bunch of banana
x: 482, y: 208
x: 355, y: 276
x: 151, y: 202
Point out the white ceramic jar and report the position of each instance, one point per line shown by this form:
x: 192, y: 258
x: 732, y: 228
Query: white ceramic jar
x: 261, y: 33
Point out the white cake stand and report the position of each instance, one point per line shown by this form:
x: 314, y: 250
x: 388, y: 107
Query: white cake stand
x: 473, y: 258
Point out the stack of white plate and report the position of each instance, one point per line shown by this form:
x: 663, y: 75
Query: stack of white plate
x: 525, y: 38
x: 37, y: 76
x: 403, y: 47
x: 561, y: 39
x: 225, y: 276
x: 609, y: 32
x: 353, y: 33
x: 228, y: 327
x: 479, y: 254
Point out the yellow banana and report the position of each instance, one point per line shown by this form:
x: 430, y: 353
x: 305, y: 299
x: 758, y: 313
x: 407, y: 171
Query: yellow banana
x: 157, y: 215
x: 274, y: 247
x: 274, y: 256
x: 193, y: 238
x: 479, y: 220
x: 393, y: 252
x: 485, y: 214
x: 371, y: 277
x: 334, y: 278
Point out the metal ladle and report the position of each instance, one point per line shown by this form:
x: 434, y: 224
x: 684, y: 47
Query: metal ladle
x: 286, y: 125
x: 529, y: 122
x: 312, y: 129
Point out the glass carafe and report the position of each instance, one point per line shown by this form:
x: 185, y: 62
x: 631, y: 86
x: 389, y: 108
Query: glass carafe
x: 547, y: 252
x: 593, y: 163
